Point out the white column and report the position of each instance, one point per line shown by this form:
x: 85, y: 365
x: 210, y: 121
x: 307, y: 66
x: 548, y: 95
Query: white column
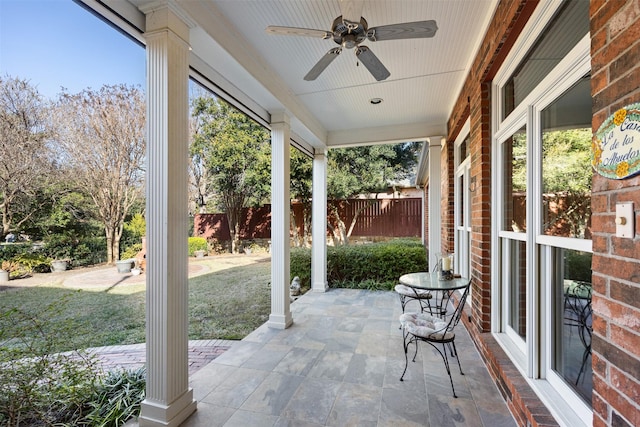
x: 280, y: 317
x: 433, y: 200
x: 319, y: 223
x: 169, y: 400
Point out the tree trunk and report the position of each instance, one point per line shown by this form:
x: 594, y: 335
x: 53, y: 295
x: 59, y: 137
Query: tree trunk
x: 339, y: 232
x: 233, y: 218
x: 294, y: 229
x: 112, y: 245
x: 6, y: 223
x: 357, y: 215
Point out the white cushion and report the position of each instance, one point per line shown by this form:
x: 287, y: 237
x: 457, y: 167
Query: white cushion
x: 412, y: 292
x: 425, y: 325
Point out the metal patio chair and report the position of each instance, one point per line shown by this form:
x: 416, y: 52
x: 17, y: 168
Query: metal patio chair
x: 436, y: 331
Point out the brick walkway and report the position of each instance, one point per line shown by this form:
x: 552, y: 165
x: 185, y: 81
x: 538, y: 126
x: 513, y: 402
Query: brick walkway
x: 201, y: 352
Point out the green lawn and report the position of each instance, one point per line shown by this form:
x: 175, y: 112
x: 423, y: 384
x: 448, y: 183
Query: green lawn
x: 227, y: 303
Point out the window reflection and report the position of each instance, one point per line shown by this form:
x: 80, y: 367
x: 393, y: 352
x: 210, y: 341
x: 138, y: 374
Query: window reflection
x: 514, y: 151
x: 516, y: 256
x: 573, y: 320
x: 566, y: 167
x: 561, y: 35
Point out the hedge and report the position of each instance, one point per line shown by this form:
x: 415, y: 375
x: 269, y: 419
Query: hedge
x: 368, y: 266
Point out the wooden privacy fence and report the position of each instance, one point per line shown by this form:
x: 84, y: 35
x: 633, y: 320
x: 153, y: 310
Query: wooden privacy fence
x: 383, y: 217
x: 378, y: 218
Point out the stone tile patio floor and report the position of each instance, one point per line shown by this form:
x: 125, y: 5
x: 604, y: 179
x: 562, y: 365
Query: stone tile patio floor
x: 339, y: 364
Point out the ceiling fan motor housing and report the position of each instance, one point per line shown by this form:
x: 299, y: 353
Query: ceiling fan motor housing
x: 347, y: 34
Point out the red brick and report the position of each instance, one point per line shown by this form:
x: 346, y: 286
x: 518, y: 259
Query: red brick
x: 628, y: 248
x: 599, y: 366
x: 619, y: 91
x: 599, y: 285
x: 622, y: 269
x: 600, y: 326
x: 625, y: 338
x: 626, y: 293
x: 603, y: 223
x: 621, y: 404
x: 625, y: 18
x: 598, y: 421
x: 629, y: 386
x: 616, y: 312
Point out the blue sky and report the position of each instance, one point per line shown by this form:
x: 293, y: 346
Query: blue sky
x: 56, y: 43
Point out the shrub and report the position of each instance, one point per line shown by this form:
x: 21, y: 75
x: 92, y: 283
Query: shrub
x: 83, y: 250
x: 197, y: 244
x: 132, y: 232
x: 578, y: 265
x: 381, y: 263
x: 300, y: 265
x: 90, y: 250
x: 371, y: 266
x: 218, y: 246
x: 118, y: 397
x: 37, y: 387
x: 131, y: 251
x: 9, y: 251
x: 27, y: 263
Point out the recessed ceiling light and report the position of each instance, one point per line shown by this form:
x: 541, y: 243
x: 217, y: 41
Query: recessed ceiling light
x: 375, y: 101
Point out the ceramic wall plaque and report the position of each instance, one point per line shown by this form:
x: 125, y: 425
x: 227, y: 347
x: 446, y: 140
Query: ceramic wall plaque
x: 616, y: 145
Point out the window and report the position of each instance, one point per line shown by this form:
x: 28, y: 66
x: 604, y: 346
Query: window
x: 462, y: 206
x: 570, y: 24
x: 566, y: 163
x: 514, y: 153
x: 566, y: 212
x: 541, y: 216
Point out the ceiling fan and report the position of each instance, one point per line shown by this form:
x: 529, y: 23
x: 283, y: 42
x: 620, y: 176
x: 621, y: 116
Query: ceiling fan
x: 350, y: 29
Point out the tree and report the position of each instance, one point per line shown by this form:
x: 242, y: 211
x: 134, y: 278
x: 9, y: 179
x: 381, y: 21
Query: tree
x: 567, y: 175
x: 364, y: 171
x: 198, y: 177
x: 236, y: 153
x: 101, y: 136
x: 301, y: 171
x: 25, y: 166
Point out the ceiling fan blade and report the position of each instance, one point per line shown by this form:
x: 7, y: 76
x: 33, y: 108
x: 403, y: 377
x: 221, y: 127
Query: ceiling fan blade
x: 407, y: 30
x: 293, y: 31
x: 373, y: 64
x: 323, y: 63
x: 351, y: 10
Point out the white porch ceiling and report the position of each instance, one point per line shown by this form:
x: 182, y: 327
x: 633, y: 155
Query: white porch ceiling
x: 265, y: 72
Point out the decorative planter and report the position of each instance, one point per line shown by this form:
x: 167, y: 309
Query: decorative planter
x: 136, y: 271
x: 59, y: 265
x: 124, y: 266
x: 4, y: 276
x: 199, y: 254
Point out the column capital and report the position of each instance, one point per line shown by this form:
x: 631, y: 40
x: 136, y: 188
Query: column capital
x: 436, y: 141
x: 167, y: 15
x: 320, y: 152
x: 281, y: 118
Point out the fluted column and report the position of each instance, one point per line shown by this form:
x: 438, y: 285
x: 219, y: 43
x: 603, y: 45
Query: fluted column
x: 169, y: 400
x: 435, y: 209
x: 280, y: 317
x: 319, y: 223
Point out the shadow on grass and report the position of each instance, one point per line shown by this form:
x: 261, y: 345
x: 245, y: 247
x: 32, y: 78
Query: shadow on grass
x: 226, y: 304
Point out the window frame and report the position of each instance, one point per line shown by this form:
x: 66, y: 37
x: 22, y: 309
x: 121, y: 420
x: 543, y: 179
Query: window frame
x: 534, y: 358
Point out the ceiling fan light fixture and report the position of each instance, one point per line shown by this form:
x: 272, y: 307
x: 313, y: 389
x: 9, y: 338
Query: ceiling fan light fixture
x: 376, y: 101
x: 349, y: 30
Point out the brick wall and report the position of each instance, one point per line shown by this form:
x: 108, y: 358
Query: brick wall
x: 474, y: 103
x: 615, y: 82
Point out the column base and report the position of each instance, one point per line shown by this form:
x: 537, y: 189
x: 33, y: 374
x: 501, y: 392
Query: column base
x: 154, y: 414
x: 320, y: 287
x: 277, y: 321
